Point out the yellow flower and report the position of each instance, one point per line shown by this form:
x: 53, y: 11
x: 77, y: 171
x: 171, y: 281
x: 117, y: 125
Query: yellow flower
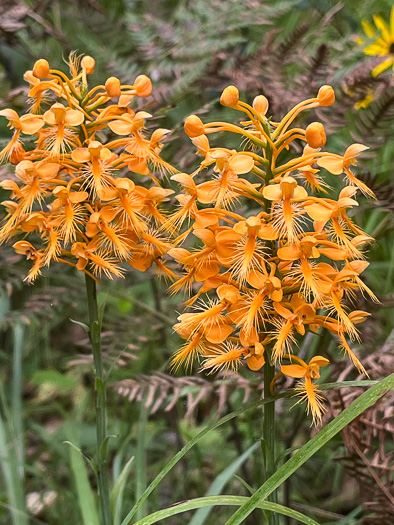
x: 383, y: 44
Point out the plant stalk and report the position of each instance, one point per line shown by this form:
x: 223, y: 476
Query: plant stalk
x: 268, y: 443
x: 100, y: 399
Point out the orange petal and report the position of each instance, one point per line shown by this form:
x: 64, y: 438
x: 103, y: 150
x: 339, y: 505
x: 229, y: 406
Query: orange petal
x: 9, y: 114
x: 255, y: 363
x: 206, y: 271
x: 346, y: 203
x: 354, y: 150
x: 120, y: 127
x: 80, y: 155
x: 300, y: 193
x: 318, y: 212
x: 206, y: 236
x: 48, y: 170
x: 293, y: 370
x: 319, y: 361
x: 282, y: 311
x: 289, y: 253
x: 207, y: 192
x: 78, y: 196
x: 277, y: 295
x: 331, y: 164
x: 241, y: 164
x: 49, y: 118
x: 273, y: 192
x: 30, y: 126
x: 74, y: 117
x: 268, y: 232
x: 257, y: 279
x: 218, y: 333
x: 141, y: 262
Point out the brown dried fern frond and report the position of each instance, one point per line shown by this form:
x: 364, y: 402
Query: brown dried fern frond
x: 162, y: 392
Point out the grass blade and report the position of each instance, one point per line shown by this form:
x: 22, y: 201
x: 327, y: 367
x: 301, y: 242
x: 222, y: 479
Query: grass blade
x: 209, y: 501
x: 367, y: 399
x: 220, y: 482
x: 118, y: 490
x: 140, y: 459
x: 86, y: 499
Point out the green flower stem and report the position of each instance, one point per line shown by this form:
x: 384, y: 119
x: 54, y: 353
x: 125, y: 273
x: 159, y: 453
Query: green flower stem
x: 100, y: 395
x: 268, y: 442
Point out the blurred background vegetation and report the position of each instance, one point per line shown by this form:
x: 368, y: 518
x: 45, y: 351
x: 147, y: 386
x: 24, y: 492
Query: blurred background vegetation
x: 191, y: 49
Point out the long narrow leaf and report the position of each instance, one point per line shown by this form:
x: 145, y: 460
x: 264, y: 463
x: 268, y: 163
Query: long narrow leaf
x: 140, y: 459
x: 86, y: 499
x: 220, y: 482
x: 118, y: 490
x: 209, y: 501
x: 367, y: 399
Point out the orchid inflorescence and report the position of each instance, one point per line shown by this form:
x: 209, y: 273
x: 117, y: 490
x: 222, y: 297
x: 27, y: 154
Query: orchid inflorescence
x: 292, y: 262
x: 79, y: 193
x: 289, y: 264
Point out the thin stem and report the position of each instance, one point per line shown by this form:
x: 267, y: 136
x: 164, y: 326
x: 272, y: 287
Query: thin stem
x: 268, y: 443
x: 100, y: 395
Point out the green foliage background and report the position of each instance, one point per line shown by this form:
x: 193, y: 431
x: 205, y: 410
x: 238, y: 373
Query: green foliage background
x: 192, y: 50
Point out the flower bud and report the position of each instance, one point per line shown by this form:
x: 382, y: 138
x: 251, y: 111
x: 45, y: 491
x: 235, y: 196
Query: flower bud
x: 41, y: 68
x: 326, y: 96
x: 230, y: 97
x: 88, y: 63
x: 194, y: 126
x: 315, y: 135
x: 260, y: 105
x: 112, y: 87
x: 143, y: 86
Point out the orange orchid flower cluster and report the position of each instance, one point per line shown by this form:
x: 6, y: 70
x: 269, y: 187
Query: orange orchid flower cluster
x: 290, y: 263
x: 73, y: 194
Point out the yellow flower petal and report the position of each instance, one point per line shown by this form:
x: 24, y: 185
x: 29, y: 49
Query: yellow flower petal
x: 368, y: 29
x: 382, y: 26
x: 382, y: 67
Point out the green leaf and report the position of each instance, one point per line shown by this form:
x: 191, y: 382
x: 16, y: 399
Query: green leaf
x: 220, y: 482
x: 222, y: 500
x: 86, y: 499
x: 118, y: 490
x: 104, y: 445
x: 367, y: 399
x: 55, y: 379
x: 79, y: 323
x: 140, y: 458
x: 83, y: 455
